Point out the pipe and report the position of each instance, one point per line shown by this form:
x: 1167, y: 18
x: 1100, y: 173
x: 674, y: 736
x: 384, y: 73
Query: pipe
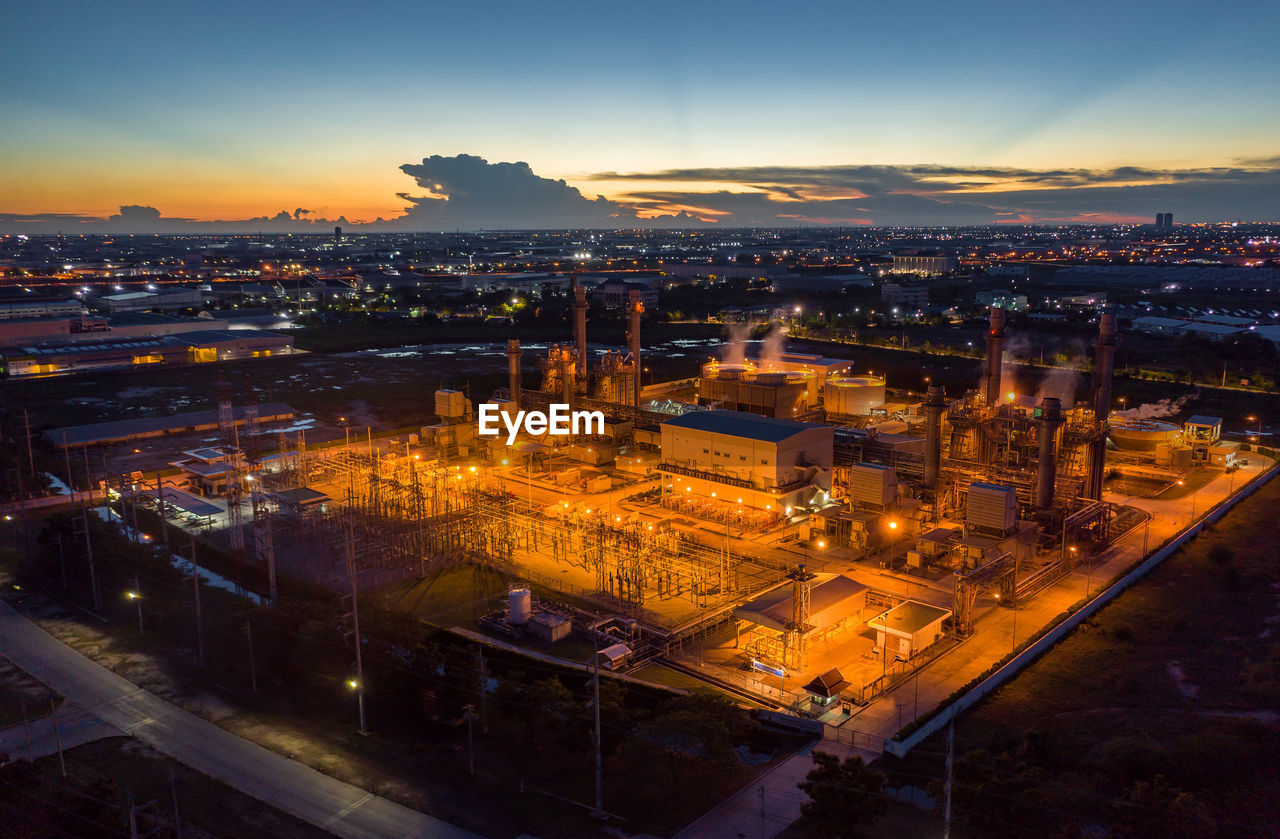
x: 995, y: 351
x: 934, y: 404
x: 1105, y: 355
x: 513, y: 370
x: 636, y: 308
x: 580, y: 324
x: 1049, y: 421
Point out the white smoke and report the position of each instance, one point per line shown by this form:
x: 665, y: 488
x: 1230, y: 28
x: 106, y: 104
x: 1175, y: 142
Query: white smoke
x: 734, y: 350
x: 1156, y: 410
x: 773, y: 348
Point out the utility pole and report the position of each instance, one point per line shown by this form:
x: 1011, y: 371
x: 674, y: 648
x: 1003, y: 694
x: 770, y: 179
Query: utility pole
x: 484, y: 690
x: 177, y: 816
x: 253, y: 671
x: 764, y: 827
x: 951, y: 753
x: 471, y: 754
x: 355, y: 628
x: 31, y: 458
x: 195, y: 586
x: 88, y: 545
x: 599, y: 757
x: 164, y: 527
x: 136, y: 597
x: 57, y: 735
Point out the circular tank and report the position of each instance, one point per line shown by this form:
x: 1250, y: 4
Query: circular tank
x: 726, y: 372
x: 854, y: 396
x: 1141, y: 435
x: 521, y: 600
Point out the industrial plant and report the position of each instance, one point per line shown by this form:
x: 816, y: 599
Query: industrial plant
x: 783, y: 526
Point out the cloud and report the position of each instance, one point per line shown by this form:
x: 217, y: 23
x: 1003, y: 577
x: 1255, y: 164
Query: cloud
x: 466, y: 192
x: 471, y: 193
x: 931, y: 194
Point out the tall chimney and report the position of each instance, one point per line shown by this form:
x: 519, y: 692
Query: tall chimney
x: 995, y: 349
x: 635, y: 308
x: 513, y: 369
x: 567, y: 374
x: 934, y: 404
x: 1105, y: 356
x: 580, y: 324
x: 1049, y: 421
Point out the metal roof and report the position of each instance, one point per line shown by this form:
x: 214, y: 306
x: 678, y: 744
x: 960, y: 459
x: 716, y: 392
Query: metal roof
x: 740, y: 424
x: 909, y: 617
x: 1198, y: 419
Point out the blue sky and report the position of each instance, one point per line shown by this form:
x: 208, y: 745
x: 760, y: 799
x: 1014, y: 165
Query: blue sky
x: 237, y: 110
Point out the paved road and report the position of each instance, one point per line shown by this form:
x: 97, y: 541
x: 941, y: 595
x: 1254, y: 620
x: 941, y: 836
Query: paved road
x: 37, y: 738
x: 326, y: 802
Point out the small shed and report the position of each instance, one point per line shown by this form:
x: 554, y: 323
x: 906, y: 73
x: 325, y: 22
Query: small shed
x: 908, y: 628
x: 825, y: 689
x: 301, y: 500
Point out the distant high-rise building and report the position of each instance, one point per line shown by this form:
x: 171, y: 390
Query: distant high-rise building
x: 337, y: 234
x: 1164, y: 221
x: 1159, y: 221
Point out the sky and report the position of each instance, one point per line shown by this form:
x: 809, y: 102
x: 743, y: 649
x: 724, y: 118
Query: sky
x: 421, y: 115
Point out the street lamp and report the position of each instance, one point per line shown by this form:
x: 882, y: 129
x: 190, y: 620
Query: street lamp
x: 136, y: 596
x: 358, y: 687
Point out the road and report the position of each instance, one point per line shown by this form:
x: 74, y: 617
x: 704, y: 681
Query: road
x: 326, y: 802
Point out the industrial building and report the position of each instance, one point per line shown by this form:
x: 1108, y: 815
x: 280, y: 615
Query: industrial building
x: 194, y: 347
x: 759, y: 462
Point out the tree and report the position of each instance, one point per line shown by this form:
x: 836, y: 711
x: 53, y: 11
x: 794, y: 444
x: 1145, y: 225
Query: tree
x: 843, y: 797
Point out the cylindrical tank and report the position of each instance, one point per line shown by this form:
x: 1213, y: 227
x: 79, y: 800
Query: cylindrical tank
x: 521, y: 602
x: 727, y: 372
x: 1141, y: 435
x: 853, y: 396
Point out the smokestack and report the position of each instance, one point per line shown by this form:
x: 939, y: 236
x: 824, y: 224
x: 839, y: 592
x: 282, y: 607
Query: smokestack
x: 1105, y: 355
x: 513, y: 369
x: 934, y: 404
x: 580, y: 321
x: 636, y: 308
x: 995, y: 350
x: 1049, y: 421
x: 567, y: 373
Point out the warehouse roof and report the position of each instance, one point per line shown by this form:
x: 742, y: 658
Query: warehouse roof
x: 132, y: 429
x: 828, y: 603
x: 1200, y: 419
x: 739, y: 424
x: 909, y: 617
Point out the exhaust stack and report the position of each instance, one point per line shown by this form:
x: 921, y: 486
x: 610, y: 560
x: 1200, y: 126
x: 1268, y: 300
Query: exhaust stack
x: 580, y: 325
x: 1049, y: 421
x: 995, y: 352
x: 934, y: 404
x: 635, y: 308
x: 513, y: 369
x: 1105, y: 355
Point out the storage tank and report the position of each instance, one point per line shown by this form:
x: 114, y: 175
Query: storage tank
x: 852, y: 397
x: 521, y: 606
x: 1141, y: 435
x: 992, y: 507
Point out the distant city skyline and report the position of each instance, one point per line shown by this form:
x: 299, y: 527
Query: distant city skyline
x: 289, y: 116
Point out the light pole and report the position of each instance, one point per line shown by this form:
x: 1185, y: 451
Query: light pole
x: 136, y: 597
x: 358, y: 686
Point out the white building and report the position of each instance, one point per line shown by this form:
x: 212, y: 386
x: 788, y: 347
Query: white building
x: 756, y: 461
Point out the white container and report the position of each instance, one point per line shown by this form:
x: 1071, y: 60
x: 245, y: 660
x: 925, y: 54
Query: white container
x: 521, y: 606
x: 852, y: 397
x: 992, y: 507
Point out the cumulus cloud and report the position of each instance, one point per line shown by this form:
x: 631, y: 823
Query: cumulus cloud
x: 470, y: 192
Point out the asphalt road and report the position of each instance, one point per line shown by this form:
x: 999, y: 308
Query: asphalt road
x: 326, y: 802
